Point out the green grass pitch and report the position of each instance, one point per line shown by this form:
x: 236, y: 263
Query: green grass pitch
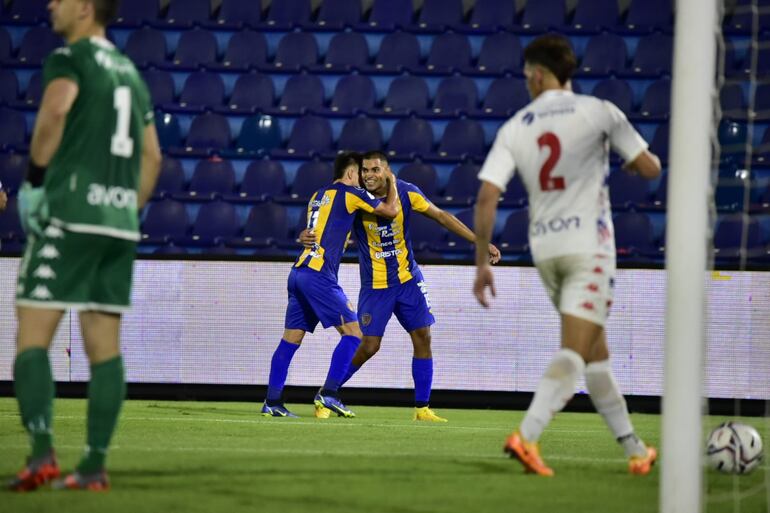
x: 223, y: 457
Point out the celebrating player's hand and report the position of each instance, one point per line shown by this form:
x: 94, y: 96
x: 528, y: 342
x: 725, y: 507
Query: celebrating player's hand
x: 307, y: 238
x: 494, y: 254
x: 3, y: 200
x: 484, y: 279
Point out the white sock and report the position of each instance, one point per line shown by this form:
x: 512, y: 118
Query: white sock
x: 609, y: 402
x: 556, y: 387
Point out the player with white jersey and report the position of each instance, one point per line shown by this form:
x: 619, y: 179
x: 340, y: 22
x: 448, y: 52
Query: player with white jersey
x: 560, y: 144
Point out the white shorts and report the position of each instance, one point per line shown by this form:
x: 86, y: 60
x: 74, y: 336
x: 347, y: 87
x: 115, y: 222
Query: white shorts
x: 580, y: 285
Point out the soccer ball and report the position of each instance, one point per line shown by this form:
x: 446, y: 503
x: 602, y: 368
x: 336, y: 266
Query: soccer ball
x: 734, y: 448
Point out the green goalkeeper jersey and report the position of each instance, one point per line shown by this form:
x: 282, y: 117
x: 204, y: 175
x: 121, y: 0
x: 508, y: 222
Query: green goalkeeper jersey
x: 93, y: 179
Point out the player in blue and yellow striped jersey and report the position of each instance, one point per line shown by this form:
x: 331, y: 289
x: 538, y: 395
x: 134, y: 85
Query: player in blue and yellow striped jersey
x: 314, y: 294
x: 391, y: 281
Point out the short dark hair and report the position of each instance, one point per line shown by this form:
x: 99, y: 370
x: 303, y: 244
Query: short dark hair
x: 344, y: 161
x: 105, y: 11
x: 374, y: 154
x: 554, y: 53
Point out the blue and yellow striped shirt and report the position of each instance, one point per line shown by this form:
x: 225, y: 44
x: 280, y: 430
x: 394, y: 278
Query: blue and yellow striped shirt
x: 385, y: 250
x: 330, y: 215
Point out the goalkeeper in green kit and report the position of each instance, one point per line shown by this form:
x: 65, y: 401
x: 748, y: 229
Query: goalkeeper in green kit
x: 94, y: 159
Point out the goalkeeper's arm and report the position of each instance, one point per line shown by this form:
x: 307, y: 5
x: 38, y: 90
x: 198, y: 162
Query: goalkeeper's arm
x: 49, y: 126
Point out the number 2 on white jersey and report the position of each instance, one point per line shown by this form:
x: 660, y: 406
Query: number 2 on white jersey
x: 548, y: 182
x: 122, y: 145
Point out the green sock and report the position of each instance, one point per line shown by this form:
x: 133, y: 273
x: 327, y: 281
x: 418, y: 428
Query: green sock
x: 34, y: 387
x: 106, y: 391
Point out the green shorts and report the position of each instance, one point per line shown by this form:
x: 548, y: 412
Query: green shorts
x: 63, y: 269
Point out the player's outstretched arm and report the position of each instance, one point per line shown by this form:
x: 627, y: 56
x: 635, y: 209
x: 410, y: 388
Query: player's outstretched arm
x: 57, y: 101
x: 454, y: 225
x: 390, y: 207
x: 647, y: 165
x: 483, y: 221
x: 150, y: 170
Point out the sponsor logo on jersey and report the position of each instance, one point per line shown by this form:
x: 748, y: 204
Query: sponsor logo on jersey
x: 379, y: 255
x: 320, y: 203
x: 555, y: 225
x: 41, y: 292
x: 384, y: 231
x: 44, y: 272
x: 117, y: 197
x: 49, y: 252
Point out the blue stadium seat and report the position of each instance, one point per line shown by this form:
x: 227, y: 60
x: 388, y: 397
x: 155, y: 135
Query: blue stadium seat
x: 733, y: 102
x: 13, y: 130
x: 616, y: 91
x: 505, y: 96
x: 13, y: 169
x: 146, y: 46
x: 425, y: 233
x: 633, y: 235
x: 259, y: 135
x: 410, y: 137
x: 454, y: 243
x: 169, y: 132
x: 592, y: 15
x: 543, y: 14
x: 406, y: 94
x: 455, y: 95
x: 212, y: 179
x: 34, y: 92
x: 264, y: 179
x: 296, y: 50
x: 360, y: 134
x: 166, y: 221
x: 347, y: 51
x: 515, y: 195
x: 136, y: 12
x: 500, y: 52
x: 492, y: 14
x: 310, y: 135
x: 202, y: 90
x: 215, y: 223
x: 728, y: 234
x: 741, y: 18
x: 644, y: 15
x: 287, y: 14
x: 422, y: 175
x: 9, y: 87
x: 449, y: 52
x: 171, y: 179
x: 390, y: 14
x: 169, y: 249
x: 398, y: 51
x: 195, y: 48
x: 186, y: 13
x: 36, y: 44
x: 604, y: 54
x: 763, y: 61
x: 762, y: 102
x: 653, y: 56
x: 628, y: 191
x: 27, y: 12
x: 353, y: 94
x: 438, y: 15
x: 302, y: 93
x: 656, y: 103
x: 659, y: 145
x: 10, y: 225
x: 514, y: 237
x: 208, y: 133
x: 252, y: 92
x: 237, y: 14
x: 245, y: 49
x: 6, y: 48
x: 311, y: 176
x: 462, y: 139
x: 336, y: 14
x: 462, y: 186
x: 161, y: 86
x: 266, y: 224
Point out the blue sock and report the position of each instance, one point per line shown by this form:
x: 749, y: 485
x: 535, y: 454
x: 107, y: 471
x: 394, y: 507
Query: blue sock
x: 279, y: 368
x: 422, y: 373
x: 351, y: 370
x: 341, y: 358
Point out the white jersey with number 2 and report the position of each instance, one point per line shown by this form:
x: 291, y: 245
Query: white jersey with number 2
x: 560, y: 145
